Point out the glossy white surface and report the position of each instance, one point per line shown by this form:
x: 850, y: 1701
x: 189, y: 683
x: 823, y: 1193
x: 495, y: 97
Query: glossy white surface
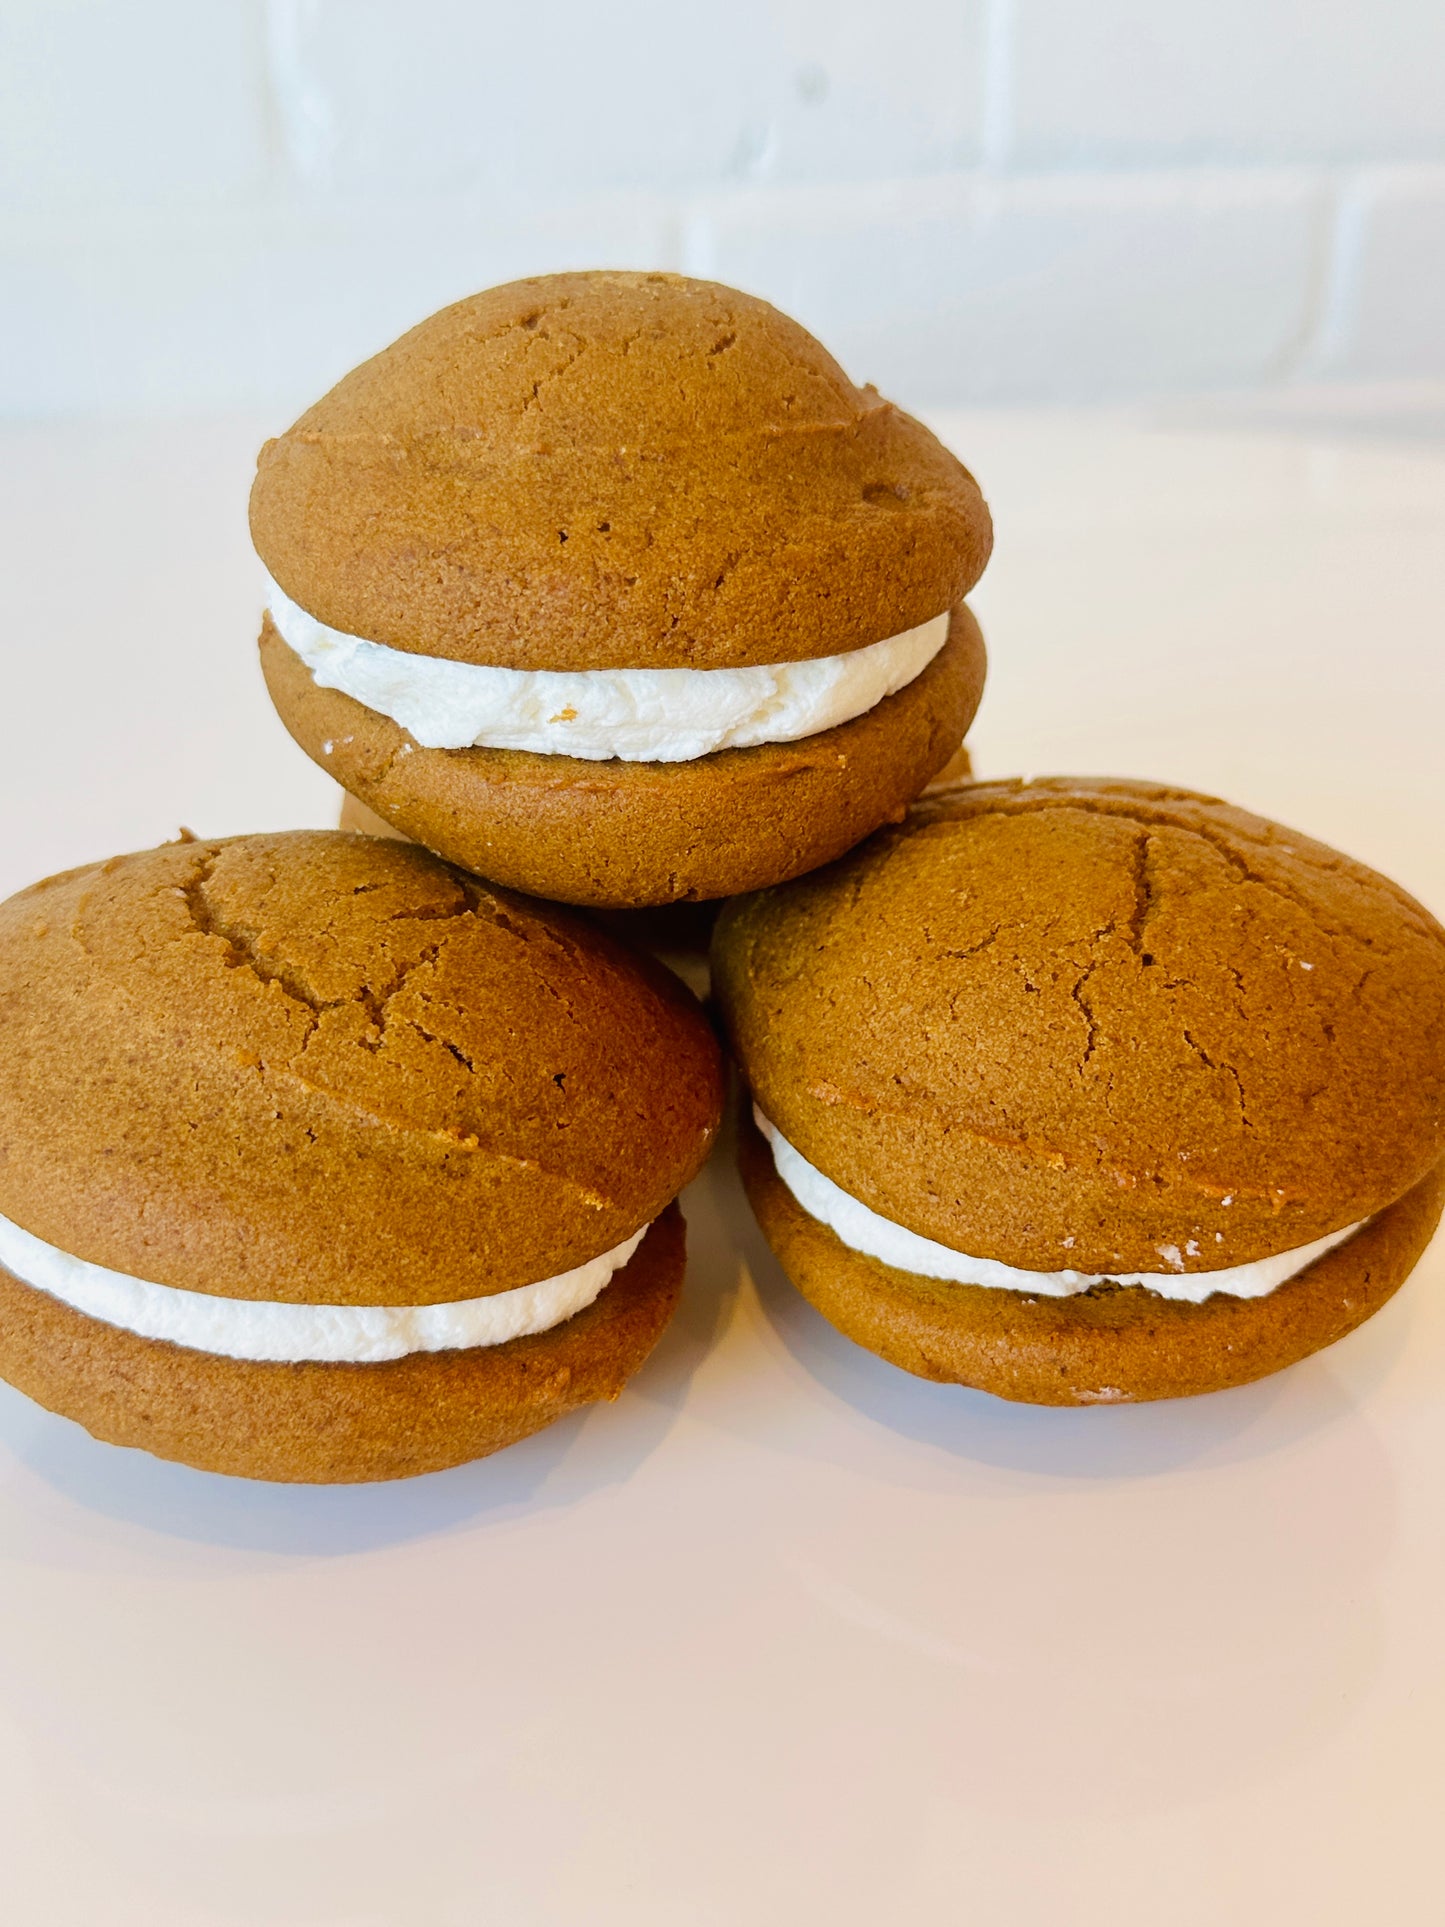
x: 784, y: 1636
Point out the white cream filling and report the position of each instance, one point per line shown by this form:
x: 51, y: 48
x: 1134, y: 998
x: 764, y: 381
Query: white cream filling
x: 863, y: 1230
x: 262, y: 1329
x: 636, y: 715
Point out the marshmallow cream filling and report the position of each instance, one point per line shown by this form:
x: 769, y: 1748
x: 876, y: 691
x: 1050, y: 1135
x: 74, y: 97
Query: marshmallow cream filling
x: 636, y: 715
x: 864, y: 1231
x: 262, y: 1330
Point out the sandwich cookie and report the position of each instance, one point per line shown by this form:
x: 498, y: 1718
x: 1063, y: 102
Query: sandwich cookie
x: 614, y: 588
x: 322, y: 1161
x: 1087, y: 1091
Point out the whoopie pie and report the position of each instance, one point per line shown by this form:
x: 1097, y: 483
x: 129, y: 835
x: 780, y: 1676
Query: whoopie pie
x: 320, y: 1160
x: 614, y: 588
x: 1087, y: 1091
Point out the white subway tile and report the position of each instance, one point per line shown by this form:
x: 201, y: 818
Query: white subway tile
x: 347, y: 284
x: 266, y: 309
x: 154, y: 102
x: 134, y: 319
x: 1067, y: 287
x: 1122, y: 81
x: 1388, y: 318
x: 444, y: 94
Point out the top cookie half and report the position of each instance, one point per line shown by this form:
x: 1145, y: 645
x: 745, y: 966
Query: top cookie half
x: 1095, y: 1017
x: 608, y: 470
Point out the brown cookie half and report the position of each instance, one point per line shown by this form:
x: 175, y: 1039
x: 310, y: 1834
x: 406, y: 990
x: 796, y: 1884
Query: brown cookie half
x: 614, y: 470
x: 330, y: 1424
x: 1099, y: 1024
x: 1114, y: 1345
x: 627, y: 835
x: 327, y: 1069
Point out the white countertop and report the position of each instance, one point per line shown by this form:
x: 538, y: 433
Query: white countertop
x: 784, y: 1636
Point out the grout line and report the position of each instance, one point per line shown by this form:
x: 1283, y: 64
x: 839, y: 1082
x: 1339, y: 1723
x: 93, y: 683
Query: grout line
x: 696, y: 254
x: 303, y: 115
x: 273, y: 120
x: 997, y: 76
x: 1290, y: 362
x: 1339, y: 282
x: 673, y: 226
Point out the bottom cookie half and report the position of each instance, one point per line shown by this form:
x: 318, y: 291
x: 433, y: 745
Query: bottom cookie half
x: 329, y: 1424
x: 1111, y: 1346
x: 619, y: 835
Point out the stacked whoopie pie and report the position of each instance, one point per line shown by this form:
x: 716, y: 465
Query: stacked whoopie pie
x: 1084, y: 1091
x: 614, y: 588
x: 320, y: 1160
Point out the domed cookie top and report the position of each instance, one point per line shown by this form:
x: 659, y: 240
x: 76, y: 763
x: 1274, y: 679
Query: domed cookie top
x: 588, y: 471
x: 328, y: 1069
x: 1096, y: 1025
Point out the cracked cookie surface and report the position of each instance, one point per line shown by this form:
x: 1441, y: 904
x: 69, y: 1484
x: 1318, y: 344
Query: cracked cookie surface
x: 325, y: 1068
x: 612, y: 470
x: 1096, y: 1024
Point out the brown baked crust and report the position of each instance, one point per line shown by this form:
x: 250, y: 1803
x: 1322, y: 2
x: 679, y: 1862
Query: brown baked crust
x: 329, y: 1424
x: 327, y: 1069
x: 586, y: 471
x: 1106, y: 1347
x: 675, y: 928
x: 356, y: 816
x: 625, y: 835
x: 1069, y: 1023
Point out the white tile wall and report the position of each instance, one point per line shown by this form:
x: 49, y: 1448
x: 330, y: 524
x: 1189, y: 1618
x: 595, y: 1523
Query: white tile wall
x: 1390, y: 319
x: 1044, y: 288
x: 650, y: 93
x: 206, y: 203
x: 267, y: 309
x: 1140, y: 82
x: 153, y: 101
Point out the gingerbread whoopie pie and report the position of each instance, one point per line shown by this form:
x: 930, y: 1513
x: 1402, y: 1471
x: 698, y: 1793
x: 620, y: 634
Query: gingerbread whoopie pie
x: 614, y: 588
x: 1087, y: 1091
x: 322, y: 1161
